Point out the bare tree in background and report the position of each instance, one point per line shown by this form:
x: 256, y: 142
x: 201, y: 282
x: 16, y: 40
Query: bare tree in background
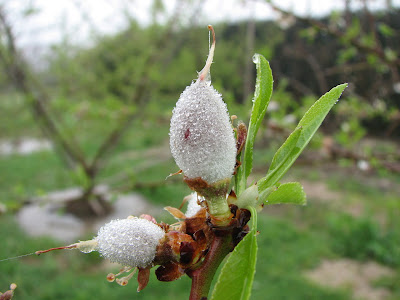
x: 38, y: 99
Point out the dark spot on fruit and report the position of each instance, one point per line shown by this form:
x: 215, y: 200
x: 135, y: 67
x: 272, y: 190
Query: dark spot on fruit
x: 187, y: 133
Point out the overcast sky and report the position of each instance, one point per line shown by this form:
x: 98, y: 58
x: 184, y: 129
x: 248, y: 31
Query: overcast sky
x: 77, y: 18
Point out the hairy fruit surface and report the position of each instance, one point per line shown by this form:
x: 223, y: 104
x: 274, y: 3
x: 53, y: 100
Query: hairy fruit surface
x: 130, y: 242
x: 201, y: 136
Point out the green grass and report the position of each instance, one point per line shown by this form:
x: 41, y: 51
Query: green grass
x: 284, y: 253
x: 27, y: 176
x: 16, y: 118
x: 364, y: 239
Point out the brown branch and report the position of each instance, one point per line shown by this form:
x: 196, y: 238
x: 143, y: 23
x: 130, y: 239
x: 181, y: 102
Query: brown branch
x: 314, y: 65
x: 347, y: 68
x: 299, y: 86
x: 202, y: 277
x: 318, y: 73
x: 24, y: 81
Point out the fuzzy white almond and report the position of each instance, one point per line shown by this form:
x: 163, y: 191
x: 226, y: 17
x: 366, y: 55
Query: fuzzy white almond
x: 130, y: 242
x: 201, y: 136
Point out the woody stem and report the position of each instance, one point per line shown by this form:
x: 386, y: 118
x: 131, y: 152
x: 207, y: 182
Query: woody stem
x: 202, y: 277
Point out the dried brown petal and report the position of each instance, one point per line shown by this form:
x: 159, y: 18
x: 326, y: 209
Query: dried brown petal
x: 169, y: 272
x: 241, y: 137
x: 8, y: 294
x: 176, y: 213
x: 143, y: 278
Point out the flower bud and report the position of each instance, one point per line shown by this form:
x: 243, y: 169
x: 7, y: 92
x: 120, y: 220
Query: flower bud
x: 129, y: 242
x: 201, y: 136
x: 249, y: 197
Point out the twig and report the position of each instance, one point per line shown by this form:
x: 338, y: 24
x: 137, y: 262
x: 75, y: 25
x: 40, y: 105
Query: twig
x: 202, y: 277
x: 22, y: 79
x: 143, y: 86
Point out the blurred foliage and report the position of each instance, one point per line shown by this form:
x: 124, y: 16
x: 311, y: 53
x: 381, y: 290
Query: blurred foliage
x: 351, y: 47
x: 364, y: 239
x: 306, y: 62
x: 112, y: 68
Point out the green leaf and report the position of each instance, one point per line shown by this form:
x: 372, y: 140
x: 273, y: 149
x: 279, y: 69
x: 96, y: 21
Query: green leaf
x: 386, y: 30
x: 290, y: 192
x: 236, y: 278
x: 282, y: 160
x: 308, y: 125
x: 262, y: 96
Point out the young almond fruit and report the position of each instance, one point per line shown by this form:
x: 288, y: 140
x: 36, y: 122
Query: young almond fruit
x: 130, y: 242
x: 202, y: 140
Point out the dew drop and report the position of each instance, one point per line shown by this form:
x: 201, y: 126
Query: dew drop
x: 256, y: 58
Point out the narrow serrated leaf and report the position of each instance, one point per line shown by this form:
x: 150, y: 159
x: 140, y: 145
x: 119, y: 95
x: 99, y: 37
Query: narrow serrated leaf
x: 282, y: 160
x: 262, y: 96
x: 236, y: 278
x: 289, y: 193
x: 309, y: 124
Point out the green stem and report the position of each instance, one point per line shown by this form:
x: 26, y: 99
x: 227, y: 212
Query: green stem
x: 218, y: 207
x: 202, y: 277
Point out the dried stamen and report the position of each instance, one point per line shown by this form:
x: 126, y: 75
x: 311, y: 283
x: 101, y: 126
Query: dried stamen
x: 124, y: 280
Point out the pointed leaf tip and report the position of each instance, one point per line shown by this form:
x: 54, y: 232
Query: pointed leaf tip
x: 309, y: 124
x: 262, y: 96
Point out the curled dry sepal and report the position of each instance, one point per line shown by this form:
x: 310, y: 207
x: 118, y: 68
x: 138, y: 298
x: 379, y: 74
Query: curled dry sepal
x: 7, y: 295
